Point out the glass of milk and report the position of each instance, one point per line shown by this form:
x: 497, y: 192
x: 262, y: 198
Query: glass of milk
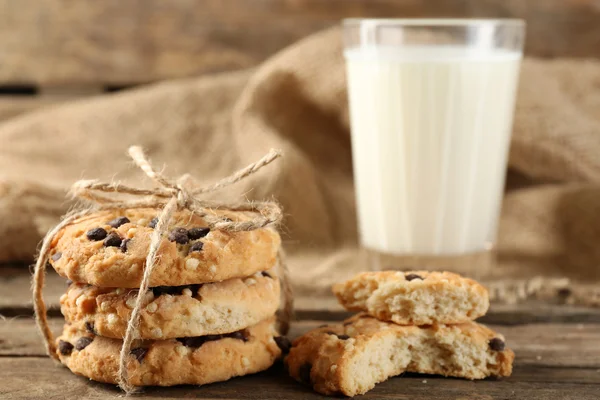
x: 431, y: 111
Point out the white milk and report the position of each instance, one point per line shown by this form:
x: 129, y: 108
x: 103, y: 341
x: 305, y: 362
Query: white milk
x: 430, y: 136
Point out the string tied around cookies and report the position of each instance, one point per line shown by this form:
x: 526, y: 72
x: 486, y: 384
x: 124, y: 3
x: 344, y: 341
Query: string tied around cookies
x: 170, y: 195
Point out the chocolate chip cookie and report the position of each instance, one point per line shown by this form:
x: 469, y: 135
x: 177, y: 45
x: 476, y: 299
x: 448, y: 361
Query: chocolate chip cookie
x: 414, y: 298
x: 109, y: 249
x: 352, y: 357
x: 192, y: 360
x: 174, y: 311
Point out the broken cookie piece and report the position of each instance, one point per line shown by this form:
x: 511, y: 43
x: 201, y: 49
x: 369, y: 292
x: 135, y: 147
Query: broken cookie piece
x: 350, y: 358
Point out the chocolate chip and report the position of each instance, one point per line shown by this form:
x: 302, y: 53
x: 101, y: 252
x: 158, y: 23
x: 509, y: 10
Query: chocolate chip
x: 96, y: 234
x: 304, y: 372
x: 124, y: 245
x: 411, y: 277
x: 179, y: 235
x: 83, y: 342
x: 113, y: 240
x: 197, y: 246
x: 89, y: 326
x: 117, y: 222
x: 283, y: 343
x: 56, y: 256
x: 65, y: 348
x: 497, y: 344
x: 69, y: 282
x: 266, y: 274
x: 198, y: 341
x: 343, y: 337
x: 153, y: 223
x: 139, y: 353
x: 197, y: 233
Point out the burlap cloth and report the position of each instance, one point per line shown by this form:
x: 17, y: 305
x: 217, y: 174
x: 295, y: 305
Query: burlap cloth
x: 296, y: 101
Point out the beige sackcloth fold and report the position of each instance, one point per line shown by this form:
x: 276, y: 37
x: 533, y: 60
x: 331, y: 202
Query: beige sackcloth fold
x: 296, y: 101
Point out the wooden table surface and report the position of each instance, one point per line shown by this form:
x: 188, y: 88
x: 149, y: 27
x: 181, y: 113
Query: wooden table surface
x: 557, y: 357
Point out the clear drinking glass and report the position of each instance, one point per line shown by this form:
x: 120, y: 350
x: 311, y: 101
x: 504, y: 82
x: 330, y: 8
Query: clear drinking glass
x: 431, y: 110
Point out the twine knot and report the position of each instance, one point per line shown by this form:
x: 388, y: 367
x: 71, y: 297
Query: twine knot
x: 181, y: 194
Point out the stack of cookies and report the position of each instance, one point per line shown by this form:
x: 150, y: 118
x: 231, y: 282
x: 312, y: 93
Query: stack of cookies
x: 210, y: 313
x: 409, y: 322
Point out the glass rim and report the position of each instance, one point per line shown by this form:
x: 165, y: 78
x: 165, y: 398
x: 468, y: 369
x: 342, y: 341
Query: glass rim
x: 434, y: 22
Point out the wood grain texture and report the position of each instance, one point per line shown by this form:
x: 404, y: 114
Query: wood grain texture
x: 15, y: 290
x: 35, y: 378
x: 57, y: 42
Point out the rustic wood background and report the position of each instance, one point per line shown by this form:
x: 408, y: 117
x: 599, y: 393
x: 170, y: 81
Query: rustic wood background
x: 57, y: 50
x: 555, y: 361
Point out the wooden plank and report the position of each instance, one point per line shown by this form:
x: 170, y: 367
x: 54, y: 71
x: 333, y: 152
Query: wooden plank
x: 15, y: 290
x: 115, y: 42
x: 550, y: 345
x: 28, y: 378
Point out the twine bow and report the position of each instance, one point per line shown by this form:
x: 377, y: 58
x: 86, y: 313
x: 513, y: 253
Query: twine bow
x: 171, y: 195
